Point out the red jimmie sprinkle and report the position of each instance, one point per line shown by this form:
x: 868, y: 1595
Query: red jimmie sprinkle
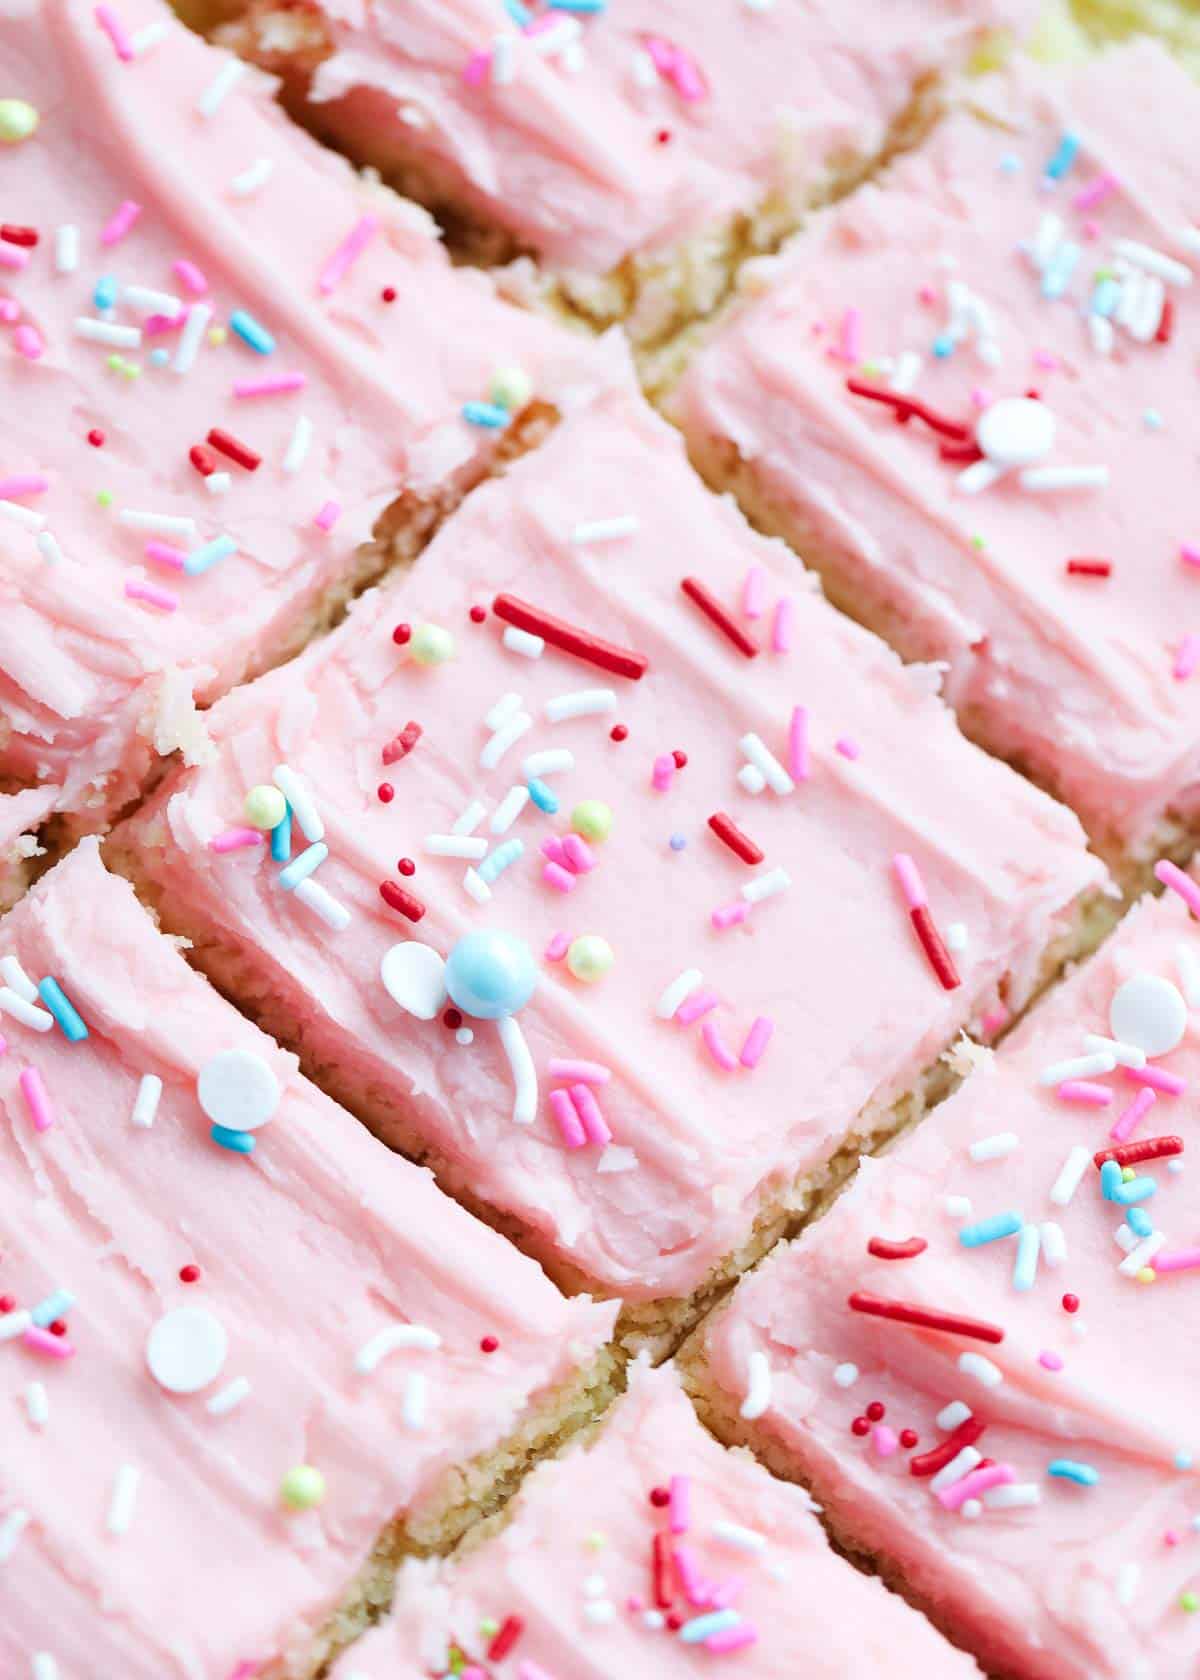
x: 884, y: 1249
x: 716, y: 614
x: 1166, y: 322
x: 663, y: 1571
x: 740, y: 844
x: 909, y: 408
x: 202, y: 460
x: 926, y: 1318
x: 401, y: 745
x: 940, y: 960
x: 1147, y: 1149
x: 937, y: 1458
x: 968, y: 453
x: 509, y: 1631
x: 227, y: 444
x: 14, y: 235
x: 1085, y: 566
x: 408, y: 904
x: 568, y: 638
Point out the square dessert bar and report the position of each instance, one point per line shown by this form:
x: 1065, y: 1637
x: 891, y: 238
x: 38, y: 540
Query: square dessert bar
x: 963, y: 397
x: 248, y: 1357
x: 229, y: 364
x: 651, y: 1550
x: 590, y: 896
x: 980, y: 1359
x: 640, y: 150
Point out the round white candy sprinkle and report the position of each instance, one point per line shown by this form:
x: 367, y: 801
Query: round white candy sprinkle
x: 1016, y: 431
x: 846, y: 1375
x: 186, y: 1349
x: 415, y: 977
x: 1150, y: 1012
x: 238, y: 1090
x: 464, y: 1036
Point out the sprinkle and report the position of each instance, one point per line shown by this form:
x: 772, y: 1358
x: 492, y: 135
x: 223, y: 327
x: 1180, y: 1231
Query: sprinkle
x: 37, y: 1099
x: 1157, y: 1079
x: 192, y: 336
x: 579, y: 1072
x: 348, y: 253
x: 782, y: 626
x: 664, y: 1567
x: 145, y: 1105
x: 124, y: 1499
x: 137, y: 589
x: 298, y: 797
x: 605, y: 530
x: 554, y: 761
x: 1071, y: 1470
x: 850, y: 336
x: 396, y: 1336
x: 1132, y: 1191
x: 235, y: 840
x: 47, y: 1344
x: 510, y: 1630
x: 313, y: 895
x: 672, y: 995
x: 298, y: 446
x: 1084, y: 567
x: 1187, y: 658
x: 66, y: 249
x: 739, y: 843
x: 1142, y: 1254
x: 1054, y: 1244
x: 226, y: 444
x: 755, y: 1043
x: 698, y: 1004
x: 44, y: 1666
x: 716, y: 614
x: 65, y: 1013
x: 470, y: 819
x: 717, y: 1048
x: 11, y: 1529
x: 489, y: 416
x: 680, y: 1504
x: 884, y: 1248
x: 1025, y: 1266
x: 1149, y: 1149
x: 1038, y: 479
x: 1182, y: 1260
x: 732, y: 1639
x: 1078, y: 1067
x: 768, y: 766
x: 738, y: 1538
x: 29, y: 1015
x: 113, y: 27
x: 701, y: 1628
x: 520, y: 641
x: 927, y: 1318
x: 758, y: 1386
x: 18, y: 980
x: 994, y: 1148
x: 256, y: 175
x: 846, y: 1375
x: 302, y: 866
x: 225, y: 1399
x: 585, y: 702
x: 1085, y: 1092
x: 765, y: 886
x: 509, y: 733
x: 981, y: 1369
x: 1153, y: 262
x: 107, y: 332
x: 401, y: 900
x: 1125, y: 1055
x: 219, y: 89
x: 961, y: 1464
x: 273, y: 385
x: 401, y: 745
x: 251, y: 332
x: 525, y: 1096
x: 992, y: 1229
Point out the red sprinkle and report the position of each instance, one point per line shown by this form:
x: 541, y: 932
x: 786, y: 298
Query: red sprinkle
x: 1084, y: 567
x: 716, y: 614
x: 202, y: 460
x: 1166, y: 322
x: 1070, y: 1303
x: 860, y: 1427
x: 680, y: 758
x: 510, y: 1630
x: 96, y: 437
x: 452, y: 1018
x: 876, y: 1411
x: 884, y: 1249
x: 235, y: 449
x: 406, y: 866
x: 388, y: 294
x: 568, y: 638
x: 927, y: 1318
x: 1146, y: 1149
x: 618, y: 732
x: 660, y: 1497
x: 8, y: 1303
x: 488, y: 1344
x: 402, y: 634
x: 58, y: 1327
x: 14, y: 235
x: 909, y: 1439
x: 403, y: 743
x: 386, y: 793
x: 408, y: 904
x: 189, y: 1274
x: 478, y: 614
x: 740, y: 844
x: 940, y: 960
x: 937, y: 1458
x: 909, y: 408
x: 664, y: 1571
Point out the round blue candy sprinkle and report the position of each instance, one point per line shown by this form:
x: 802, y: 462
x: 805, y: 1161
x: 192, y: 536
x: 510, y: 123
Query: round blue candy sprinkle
x: 678, y: 842
x: 1183, y: 1459
x: 159, y: 357
x: 1152, y: 420
x: 241, y: 1143
x: 1010, y: 164
x: 490, y: 974
x: 943, y: 346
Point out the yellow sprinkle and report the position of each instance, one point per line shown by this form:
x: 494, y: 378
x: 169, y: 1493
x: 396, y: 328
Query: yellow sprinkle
x: 217, y: 335
x: 1128, y: 1174
x: 1147, y: 1274
x: 18, y: 120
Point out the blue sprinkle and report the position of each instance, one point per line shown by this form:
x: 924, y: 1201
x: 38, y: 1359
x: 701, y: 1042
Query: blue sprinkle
x: 543, y: 797
x: 159, y: 357
x: 501, y: 859
x: 490, y: 415
x: 1110, y: 1180
x: 1139, y: 1222
x: 1071, y: 1470
x: 63, y: 1010
x: 251, y: 332
x: 1057, y: 277
x: 241, y: 1143
x: 1064, y: 157
x: 200, y: 559
x: 703, y: 1627
x: 54, y: 1306
x: 943, y: 346
x: 281, y: 838
x: 520, y: 15
x: 1152, y: 420
x: 988, y: 1230
x: 1106, y: 294
x: 1010, y: 164
x: 300, y: 868
x: 1183, y: 1459
x: 1137, y: 1190
x: 104, y: 296
x: 678, y: 842
x: 591, y: 7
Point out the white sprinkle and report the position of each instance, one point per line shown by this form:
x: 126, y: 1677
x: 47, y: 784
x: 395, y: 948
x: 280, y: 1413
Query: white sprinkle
x: 582, y: 702
x: 251, y: 179
x: 66, y: 248
x: 225, y: 1399
x: 1189, y: 973
x: 470, y: 819
x: 1070, y: 1175
x: 149, y: 301
x: 388, y: 1341
x: 163, y: 524
x: 766, y: 764
x: 956, y: 936
x: 150, y: 36
x: 504, y: 60
x: 1012, y: 1496
x: 18, y: 979
x: 298, y: 445
x: 525, y: 1085
x: 1078, y: 1067
x: 28, y: 1014
x: 523, y: 642
x: 600, y: 1612
x: 1124, y: 1238
x: 1154, y: 262
x: 738, y: 1538
x: 48, y: 548
x: 507, y: 706
x: 145, y: 1105
x: 22, y: 515
x: 194, y: 329
x: 1029, y: 1246
x: 758, y: 1387
x: 994, y: 1148
x: 107, y: 332
x: 673, y: 995
x: 476, y: 886
x: 642, y: 68
x: 970, y: 1509
x: 11, y: 1530
x: 1125, y: 1055
x: 44, y: 1666
x: 951, y: 1415
x: 520, y: 723
x: 217, y: 483
x: 845, y: 1375
x: 606, y: 530
x: 615, y: 1159
x: 751, y: 779
x: 553, y: 762
x: 219, y: 89
x: 124, y: 1499
x: 14, y: 1324
x: 37, y: 1404
x: 1146, y: 316
x: 1054, y: 1244
x: 766, y: 886
x: 1037, y: 479
x: 455, y: 846
x: 1129, y: 1578
x: 963, y: 1462
x: 1142, y: 1254
x: 298, y: 797
x: 975, y: 1365
x: 958, y: 1207
x: 509, y: 809
x: 322, y: 904
x: 1047, y: 240
x: 907, y: 371
x: 415, y: 1395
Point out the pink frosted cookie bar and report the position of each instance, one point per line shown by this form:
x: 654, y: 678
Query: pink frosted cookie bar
x: 221, y: 379
x: 869, y: 399
x: 224, y: 1374
x: 553, y: 729
x: 639, y: 149
x: 1028, y: 1475
x: 652, y: 1550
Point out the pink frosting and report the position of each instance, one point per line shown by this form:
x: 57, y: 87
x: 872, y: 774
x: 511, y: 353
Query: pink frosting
x: 581, y: 1536
x: 1087, y: 1583
x: 306, y: 1251
x: 82, y: 686
x: 831, y: 962
x: 589, y: 166
x: 1077, y: 677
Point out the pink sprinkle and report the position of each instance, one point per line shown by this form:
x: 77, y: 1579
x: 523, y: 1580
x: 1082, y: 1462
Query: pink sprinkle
x: 680, y: 1505
x: 1172, y: 876
x: 1183, y: 1260
x: 689, y: 1575
x: 663, y: 54
x: 756, y: 1042
x: 697, y: 1004
x: 193, y: 278
x: 688, y: 81
x: 884, y: 1440
x: 588, y: 1109
x: 568, y: 1067
x: 579, y: 855
x: 850, y: 336
x: 754, y: 593
x: 729, y: 915
x: 717, y: 1048
x: 13, y: 256
x: 475, y: 70
x: 1171, y: 1537
x: 3, y: 1044
x: 554, y: 875
x: 1045, y: 359
x: 155, y: 326
x: 978, y: 1481
x: 42, y: 1341
x: 10, y: 310
x: 275, y: 386
x: 120, y: 222
x: 1050, y: 1360
x: 847, y: 747
x: 234, y: 839
x: 909, y: 877
x: 552, y: 848
x: 557, y: 947
x: 732, y: 1638
x: 1085, y: 1091
x: 162, y: 554
x: 981, y: 396
x: 569, y: 1123
x: 116, y: 32
x: 1158, y: 1079
x: 1187, y: 659
x: 928, y: 296
x: 245, y: 1671
x: 348, y: 253
x: 23, y: 484
x: 783, y: 625
x: 726, y: 1592
x: 798, y: 744
x: 28, y: 341
x: 329, y: 515
x: 136, y: 589
x: 1095, y: 191
x: 1133, y: 1115
x: 994, y: 1020
x: 37, y: 1100
x: 1189, y: 554
x: 635, y: 1603
x: 664, y: 772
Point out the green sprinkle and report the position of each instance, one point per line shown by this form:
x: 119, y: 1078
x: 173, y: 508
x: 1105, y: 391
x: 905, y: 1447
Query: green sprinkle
x: 104, y: 498
x: 1189, y: 1601
x: 595, y: 1541
x: 978, y: 542
x: 488, y: 1626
